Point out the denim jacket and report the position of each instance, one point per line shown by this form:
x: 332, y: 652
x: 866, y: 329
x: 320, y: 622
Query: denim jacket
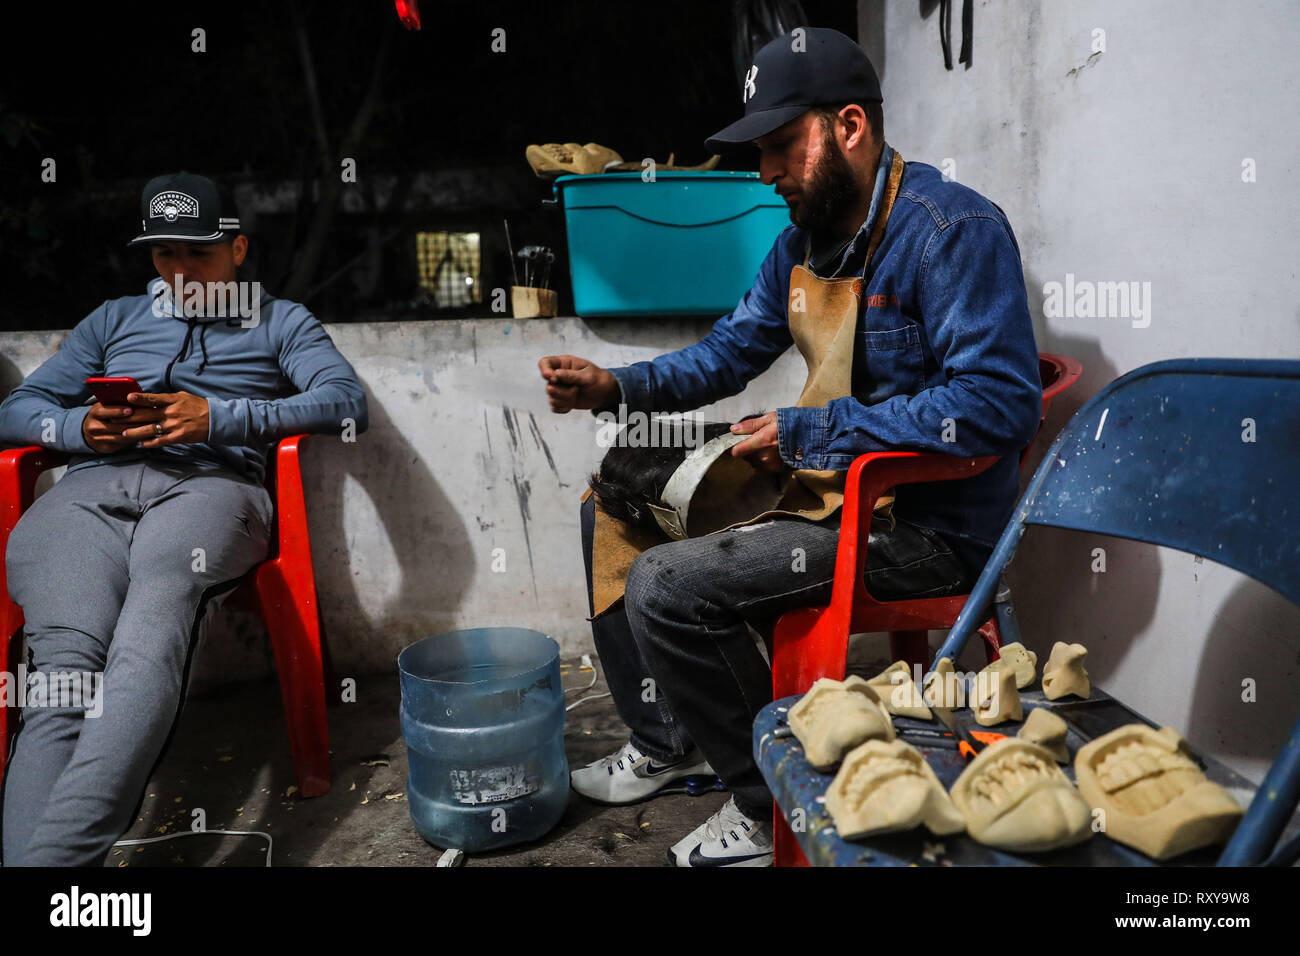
x: 946, y: 360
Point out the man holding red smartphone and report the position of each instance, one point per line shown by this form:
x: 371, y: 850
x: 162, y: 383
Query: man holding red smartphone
x: 162, y: 508
x: 124, y: 416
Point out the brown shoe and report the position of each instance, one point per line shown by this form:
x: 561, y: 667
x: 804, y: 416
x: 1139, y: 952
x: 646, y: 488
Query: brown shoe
x: 564, y: 159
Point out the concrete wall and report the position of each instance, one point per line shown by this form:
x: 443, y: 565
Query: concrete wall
x: 463, y: 457
x: 1127, y: 165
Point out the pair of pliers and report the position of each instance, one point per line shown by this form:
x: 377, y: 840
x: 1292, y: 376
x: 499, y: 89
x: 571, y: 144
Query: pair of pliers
x: 970, y: 742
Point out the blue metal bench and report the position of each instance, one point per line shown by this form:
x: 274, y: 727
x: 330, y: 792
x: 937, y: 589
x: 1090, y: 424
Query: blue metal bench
x: 1161, y: 455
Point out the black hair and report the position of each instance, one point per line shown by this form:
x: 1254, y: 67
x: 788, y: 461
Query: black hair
x: 631, y: 478
x: 875, y: 116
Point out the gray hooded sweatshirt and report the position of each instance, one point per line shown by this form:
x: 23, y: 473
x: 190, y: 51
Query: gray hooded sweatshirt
x: 280, y: 376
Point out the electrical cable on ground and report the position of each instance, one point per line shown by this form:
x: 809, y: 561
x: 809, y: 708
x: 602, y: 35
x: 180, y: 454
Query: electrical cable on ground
x: 185, y: 833
x: 586, y: 662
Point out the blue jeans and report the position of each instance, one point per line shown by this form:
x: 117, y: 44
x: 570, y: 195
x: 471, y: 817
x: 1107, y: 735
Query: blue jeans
x: 640, y: 706
x: 685, y: 625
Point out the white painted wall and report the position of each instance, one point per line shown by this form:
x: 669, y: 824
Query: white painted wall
x: 1127, y: 165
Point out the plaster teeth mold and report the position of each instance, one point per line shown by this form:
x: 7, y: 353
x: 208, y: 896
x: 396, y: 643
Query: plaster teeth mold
x: 835, y: 716
x: 886, y: 787
x: 1014, y: 797
x: 1065, y: 673
x: 899, y: 692
x: 1156, y: 799
x: 996, y: 697
x: 1020, y: 659
x: 942, y: 688
x: 1044, y: 728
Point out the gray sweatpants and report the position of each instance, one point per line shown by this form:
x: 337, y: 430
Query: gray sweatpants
x: 112, y: 567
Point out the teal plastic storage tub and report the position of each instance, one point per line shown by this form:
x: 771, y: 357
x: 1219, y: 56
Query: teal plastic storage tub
x: 686, y: 243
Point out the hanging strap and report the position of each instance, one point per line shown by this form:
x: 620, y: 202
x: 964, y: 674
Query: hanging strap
x: 945, y: 32
x: 966, y: 32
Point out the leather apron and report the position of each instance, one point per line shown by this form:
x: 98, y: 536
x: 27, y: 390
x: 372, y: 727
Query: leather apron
x: 823, y: 316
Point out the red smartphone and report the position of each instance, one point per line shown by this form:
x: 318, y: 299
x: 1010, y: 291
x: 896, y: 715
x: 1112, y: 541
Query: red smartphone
x: 113, y: 390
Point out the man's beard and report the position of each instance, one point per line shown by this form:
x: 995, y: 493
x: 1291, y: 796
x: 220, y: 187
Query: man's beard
x: 830, y: 194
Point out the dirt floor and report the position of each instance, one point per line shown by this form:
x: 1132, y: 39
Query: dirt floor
x: 230, y: 760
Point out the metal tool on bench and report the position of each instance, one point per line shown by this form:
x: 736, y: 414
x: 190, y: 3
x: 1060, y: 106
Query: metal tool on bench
x: 926, y: 737
x: 939, y: 741
x: 912, y: 735
x: 971, y: 742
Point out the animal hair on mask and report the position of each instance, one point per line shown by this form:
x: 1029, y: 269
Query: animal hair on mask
x: 632, y: 478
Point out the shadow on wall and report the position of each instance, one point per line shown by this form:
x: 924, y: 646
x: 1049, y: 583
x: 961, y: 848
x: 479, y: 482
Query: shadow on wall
x: 10, y: 375
x: 426, y: 539
x: 10, y: 378
x: 365, y: 623
x: 871, y: 33
x: 1106, y: 611
x: 1255, y: 635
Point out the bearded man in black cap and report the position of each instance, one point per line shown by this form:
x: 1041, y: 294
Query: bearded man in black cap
x: 905, y: 294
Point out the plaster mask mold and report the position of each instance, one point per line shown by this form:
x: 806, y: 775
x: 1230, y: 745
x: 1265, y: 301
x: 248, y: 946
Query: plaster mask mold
x: 835, y: 716
x: 1019, y: 658
x: 1156, y: 798
x: 942, y: 688
x: 1048, y: 731
x: 996, y: 697
x: 899, y: 692
x: 1064, y: 673
x: 1014, y: 797
x: 885, y: 787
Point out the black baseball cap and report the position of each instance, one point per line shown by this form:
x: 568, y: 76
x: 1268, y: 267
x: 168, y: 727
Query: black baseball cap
x: 792, y: 74
x: 185, y: 207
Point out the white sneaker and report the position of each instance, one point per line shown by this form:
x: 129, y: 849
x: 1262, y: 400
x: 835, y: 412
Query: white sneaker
x: 628, y: 776
x: 728, y: 838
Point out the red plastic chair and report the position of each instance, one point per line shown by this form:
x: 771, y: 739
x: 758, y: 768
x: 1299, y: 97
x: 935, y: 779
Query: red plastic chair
x: 811, y: 643
x: 282, y: 590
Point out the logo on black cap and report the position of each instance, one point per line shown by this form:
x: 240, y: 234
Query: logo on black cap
x: 172, y: 204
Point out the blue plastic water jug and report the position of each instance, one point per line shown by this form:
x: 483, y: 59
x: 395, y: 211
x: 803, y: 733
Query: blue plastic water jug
x: 483, y: 719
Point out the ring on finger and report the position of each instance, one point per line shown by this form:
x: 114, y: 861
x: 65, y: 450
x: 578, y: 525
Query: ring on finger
x: 157, y: 430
